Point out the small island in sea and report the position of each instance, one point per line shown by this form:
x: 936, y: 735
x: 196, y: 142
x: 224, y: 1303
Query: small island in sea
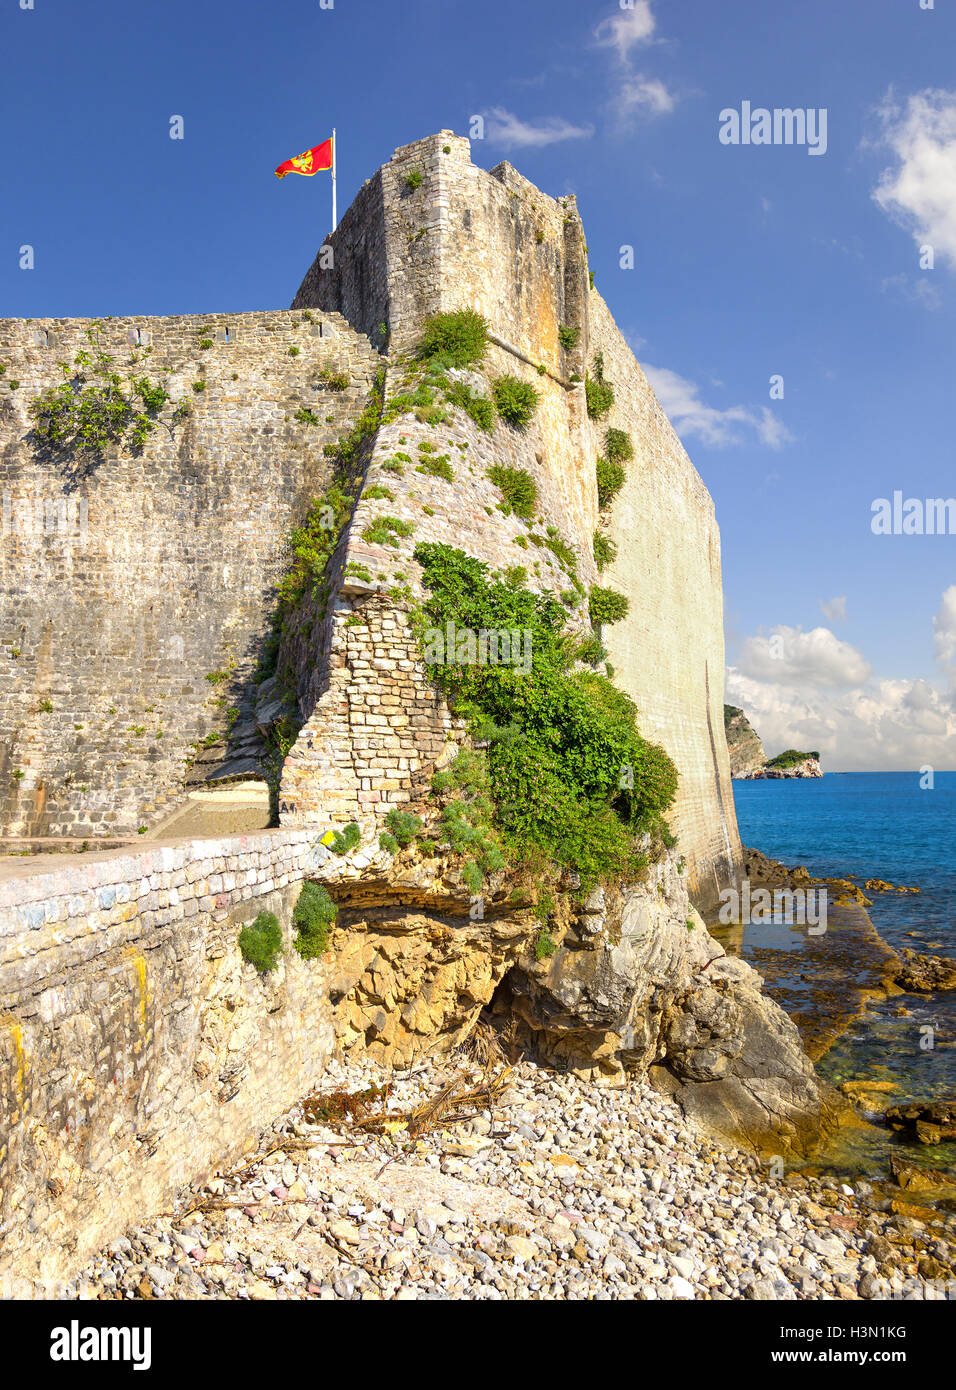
x: 749, y: 762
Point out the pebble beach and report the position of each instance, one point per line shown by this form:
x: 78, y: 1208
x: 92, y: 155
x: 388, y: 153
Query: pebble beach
x: 563, y: 1190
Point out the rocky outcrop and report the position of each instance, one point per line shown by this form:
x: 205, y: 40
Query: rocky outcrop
x: 749, y: 762
x: 798, y: 765
x: 633, y: 984
x: 743, y: 744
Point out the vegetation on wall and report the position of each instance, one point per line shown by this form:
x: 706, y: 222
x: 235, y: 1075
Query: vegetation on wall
x: 518, y: 489
x: 570, y: 781
x: 96, y: 406
x: 605, y: 551
x: 606, y: 606
x: 456, y: 339
x: 261, y: 942
x: 599, y: 393
x: 516, y: 400
x: 313, y: 917
x: 610, y: 478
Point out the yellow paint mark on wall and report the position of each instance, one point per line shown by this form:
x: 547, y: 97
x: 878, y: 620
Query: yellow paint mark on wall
x: 138, y: 963
x: 15, y: 1029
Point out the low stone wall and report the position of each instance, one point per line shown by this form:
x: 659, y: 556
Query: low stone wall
x: 138, y: 1050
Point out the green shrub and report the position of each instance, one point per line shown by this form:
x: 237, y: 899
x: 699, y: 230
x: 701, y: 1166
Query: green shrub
x: 610, y: 479
x: 480, y: 408
x: 518, y: 489
x: 606, y: 606
x: 568, y: 337
x: 458, y: 339
x: 348, y: 839
x: 94, y: 406
x: 545, y: 945
x: 333, y: 380
x: 313, y: 916
x: 516, y: 400
x: 305, y: 416
x: 375, y: 492
x: 413, y: 179
x: 599, y: 393
x: 557, y: 737
x: 261, y: 942
x: 618, y: 446
x: 388, y: 842
x: 384, y: 530
x: 404, y: 825
x: 605, y: 551
x: 437, y: 467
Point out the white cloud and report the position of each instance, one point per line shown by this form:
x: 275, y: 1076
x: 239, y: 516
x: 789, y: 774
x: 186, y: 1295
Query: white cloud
x: 919, y: 190
x: 886, y: 725
x: 944, y: 628
x: 821, y: 694
x: 504, y: 128
x: 692, y: 417
x: 633, y: 94
x: 790, y: 656
x: 834, y: 609
x: 631, y: 28
x: 641, y: 95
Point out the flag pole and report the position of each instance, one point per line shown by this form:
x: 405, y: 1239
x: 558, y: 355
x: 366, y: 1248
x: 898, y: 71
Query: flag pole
x: 334, y: 155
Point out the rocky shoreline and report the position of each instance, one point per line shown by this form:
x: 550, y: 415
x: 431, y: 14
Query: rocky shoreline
x: 563, y: 1190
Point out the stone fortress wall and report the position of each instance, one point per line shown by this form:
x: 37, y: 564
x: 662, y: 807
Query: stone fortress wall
x: 494, y: 242
x: 123, y: 586
x: 136, y: 1047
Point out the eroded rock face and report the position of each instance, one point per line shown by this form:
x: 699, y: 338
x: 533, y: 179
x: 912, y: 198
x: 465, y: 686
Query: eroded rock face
x: 743, y: 743
x: 635, y: 982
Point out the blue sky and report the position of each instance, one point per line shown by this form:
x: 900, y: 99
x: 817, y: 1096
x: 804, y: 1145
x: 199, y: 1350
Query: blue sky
x: 751, y: 260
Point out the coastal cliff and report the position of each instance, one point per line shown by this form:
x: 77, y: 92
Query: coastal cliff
x: 749, y: 762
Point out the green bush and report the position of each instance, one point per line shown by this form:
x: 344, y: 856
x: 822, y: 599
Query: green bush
x: 516, y: 400
x: 568, y: 337
x: 545, y: 945
x: 437, y: 467
x: 404, y: 825
x: 458, y: 339
x: 388, y: 842
x: 557, y: 737
x: 610, y: 479
x: 480, y: 408
x: 518, y: 489
x: 606, y: 606
x: 261, y: 942
x: 605, y: 551
x: 618, y: 446
x: 95, y: 407
x: 413, y: 179
x: 384, y: 530
x: 313, y: 916
x: 348, y: 839
x: 599, y: 393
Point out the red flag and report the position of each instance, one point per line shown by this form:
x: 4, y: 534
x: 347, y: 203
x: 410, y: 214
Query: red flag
x: 313, y: 161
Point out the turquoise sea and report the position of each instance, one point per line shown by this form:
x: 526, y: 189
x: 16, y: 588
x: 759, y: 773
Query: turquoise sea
x: 878, y: 825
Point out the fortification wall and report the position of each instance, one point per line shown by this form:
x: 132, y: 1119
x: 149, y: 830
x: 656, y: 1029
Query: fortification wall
x: 461, y: 237
x: 137, y: 1049
x: 124, y: 584
x: 669, y: 653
